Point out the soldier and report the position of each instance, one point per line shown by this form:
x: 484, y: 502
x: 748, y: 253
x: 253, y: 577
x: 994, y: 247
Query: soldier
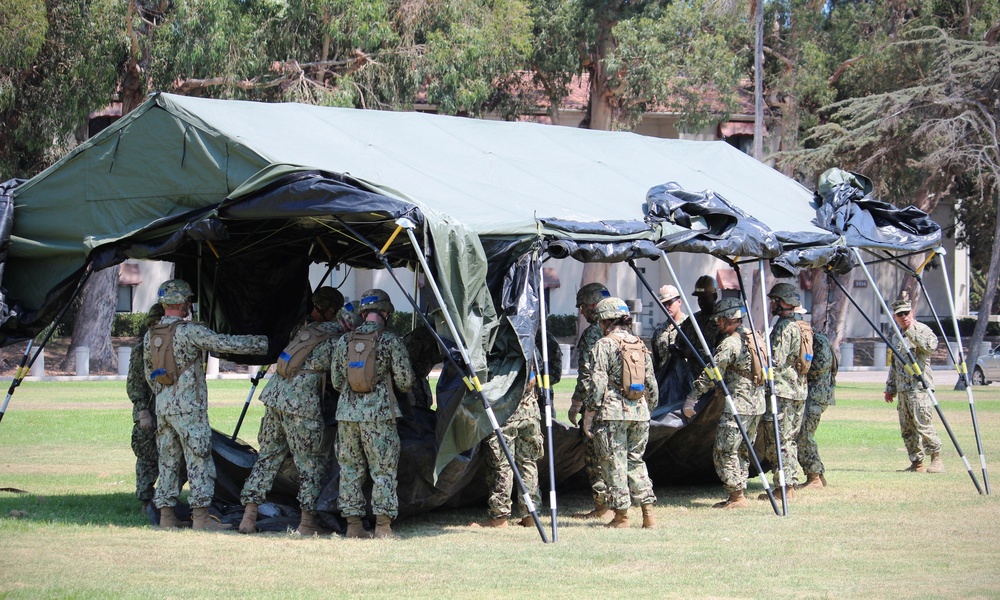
x: 523, y: 434
x: 622, y: 394
x: 366, y: 364
x: 143, y: 417
x: 664, y: 340
x: 822, y: 377
x: 789, y: 386
x: 175, y: 366
x: 742, y: 374
x: 915, y: 406
x: 587, y: 298
x: 707, y: 293
x: 293, y: 419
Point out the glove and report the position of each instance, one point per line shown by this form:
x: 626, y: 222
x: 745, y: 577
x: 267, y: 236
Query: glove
x: 146, y: 422
x: 588, y: 423
x: 888, y: 397
x: 689, y: 403
x: 574, y: 412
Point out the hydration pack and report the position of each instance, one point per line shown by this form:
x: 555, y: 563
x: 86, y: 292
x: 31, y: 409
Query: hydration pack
x: 633, y: 368
x: 361, y: 360
x: 291, y: 358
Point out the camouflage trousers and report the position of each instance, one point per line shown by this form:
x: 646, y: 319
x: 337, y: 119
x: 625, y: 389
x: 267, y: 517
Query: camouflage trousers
x: 594, y: 468
x: 147, y: 467
x: 620, y: 446
x: 790, y: 413
x: 525, y: 442
x: 916, y: 424
x: 180, y: 439
x: 730, y: 454
x: 281, y: 433
x: 808, y: 449
x: 363, y: 448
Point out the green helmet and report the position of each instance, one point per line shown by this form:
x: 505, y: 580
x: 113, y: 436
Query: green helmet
x: 611, y: 308
x: 787, y: 293
x: 592, y: 293
x: 348, y: 313
x: 155, y: 312
x: 729, y: 308
x: 174, y: 291
x: 705, y: 285
x: 375, y: 299
x: 327, y: 298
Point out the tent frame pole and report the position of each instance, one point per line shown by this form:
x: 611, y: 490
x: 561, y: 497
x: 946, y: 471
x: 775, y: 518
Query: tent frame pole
x: 546, y: 389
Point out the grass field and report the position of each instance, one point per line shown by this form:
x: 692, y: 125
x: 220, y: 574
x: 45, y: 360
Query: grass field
x: 874, y: 532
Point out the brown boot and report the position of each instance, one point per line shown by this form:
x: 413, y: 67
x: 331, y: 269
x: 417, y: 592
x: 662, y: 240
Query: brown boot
x: 936, y: 465
x: 814, y: 481
x: 383, y: 527
x: 789, y: 496
x: 495, y: 523
x: 168, y: 520
x: 648, y: 518
x: 599, y: 511
x: 206, y: 522
x: 355, y: 530
x: 526, y: 521
x: 735, y: 500
x: 916, y: 466
x: 620, y: 521
x: 249, y: 522
x: 307, y: 523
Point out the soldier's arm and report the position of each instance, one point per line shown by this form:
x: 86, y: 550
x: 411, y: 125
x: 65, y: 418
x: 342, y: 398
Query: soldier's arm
x: 135, y: 384
x: 923, y: 341
x: 402, y: 369
x: 338, y: 357
x: 206, y: 339
x: 652, y: 390
x: 598, y: 379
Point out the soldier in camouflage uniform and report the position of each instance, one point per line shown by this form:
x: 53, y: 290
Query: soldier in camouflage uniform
x: 183, y: 433
x: 293, y: 419
x: 822, y: 377
x: 733, y: 357
x: 587, y: 298
x: 523, y: 434
x: 707, y: 293
x: 664, y: 339
x: 367, y: 438
x: 143, y: 418
x: 621, y: 425
x: 789, y: 386
x: 915, y: 406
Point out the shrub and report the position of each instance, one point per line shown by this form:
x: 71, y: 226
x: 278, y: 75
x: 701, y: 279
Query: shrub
x: 128, y: 324
x: 561, y: 325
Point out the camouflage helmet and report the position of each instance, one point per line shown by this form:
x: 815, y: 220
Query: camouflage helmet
x: 729, y: 308
x: 375, y: 299
x: 155, y: 312
x: 611, y: 308
x: 348, y: 313
x: 787, y: 293
x: 174, y: 291
x: 327, y: 298
x: 592, y: 293
x: 902, y: 304
x: 705, y: 285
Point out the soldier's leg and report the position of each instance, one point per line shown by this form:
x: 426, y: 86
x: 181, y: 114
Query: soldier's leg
x: 528, y: 449
x: 639, y: 484
x: 171, y: 457
x: 908, y: 428
x: 273, y: 449
x: 752, y: 424
x: 726, y: 454
x: 305, y: 438
x: 196, y: 439
x: 353, y: 468
x: 499, y: 476
x: 594, y: 468
x: 612, y: 448
x: 147, y: 467
x: 791, y: 424
x: 808, y: 450
x: 381, y: 447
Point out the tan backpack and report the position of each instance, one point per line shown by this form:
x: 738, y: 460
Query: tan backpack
x: 161, y: 352
x: 305, y: 341
x: 361, y: 360
x: 755, y: 347
x: 804, y: 361
x: 633, y: 368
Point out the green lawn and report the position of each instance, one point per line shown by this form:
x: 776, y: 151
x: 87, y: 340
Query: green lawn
x: 875, y: 532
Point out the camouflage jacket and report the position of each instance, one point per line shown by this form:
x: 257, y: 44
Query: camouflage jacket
x: 708, y: 328
x: 392, y: 366
x: 191, y: 340
x: 300, y: 395
x: 136, y: 385
x: 606, y: 395
x: 922, y: 342
x: 664, y: 340
x: 821, y: 377
x: 587, y: 341
x: 786, y: 342
x: 733, y: 359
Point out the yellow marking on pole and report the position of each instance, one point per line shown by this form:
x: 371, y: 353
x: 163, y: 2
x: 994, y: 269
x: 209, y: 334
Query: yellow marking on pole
x: 930, y: 257
x: 479, y: 386
x: 908, y: 368
x: 329, y: 255
x: 392, y: 238
x: 965, y: 369
x: 21, y: 372
x: 545, y: 381
x: 468, y: 383
x: 916, y: 369
x: 718, y: 374
x: 212, y: 248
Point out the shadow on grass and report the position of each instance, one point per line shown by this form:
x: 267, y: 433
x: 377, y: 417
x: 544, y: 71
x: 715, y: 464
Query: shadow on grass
x: 74, y: 509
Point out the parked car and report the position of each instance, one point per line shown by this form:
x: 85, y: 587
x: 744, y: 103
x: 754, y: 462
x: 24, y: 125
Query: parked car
x: 987, y: 368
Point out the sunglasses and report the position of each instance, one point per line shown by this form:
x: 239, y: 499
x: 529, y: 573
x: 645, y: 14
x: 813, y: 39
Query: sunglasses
x: 903, y: 314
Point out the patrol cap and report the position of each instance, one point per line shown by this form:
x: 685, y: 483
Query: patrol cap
x: 174, y: 291
x: 592, y: 293
x: 705, y: 285
x: 327, y: 298
x: 729, y: 308
x: 902, y: 304
x: 787, y: 293
x: 610, y: 308
x: 668, y: 292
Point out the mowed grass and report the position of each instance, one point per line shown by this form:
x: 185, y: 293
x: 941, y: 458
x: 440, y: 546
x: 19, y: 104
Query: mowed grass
x: 874, y: 532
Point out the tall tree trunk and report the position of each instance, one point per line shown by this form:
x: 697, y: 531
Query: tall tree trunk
x: 830, y: 307
x: 93, y: 322
x: 992, y: 280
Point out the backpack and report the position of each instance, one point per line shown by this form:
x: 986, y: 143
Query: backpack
x: 633, y: 368
x: 755, y: 348
x: 361, y: 360
x: 804, y: 361
x: 161, y: 353
x: 305, y: 341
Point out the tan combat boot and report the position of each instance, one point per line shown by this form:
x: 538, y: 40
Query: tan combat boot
x: 493, y: 523
x: 936, y: 465
x: 599, y: 511
x: 620, y: 521
x: 813, y: 481
x: 249, y: 522
x: 648, y: 518
x: 526, y: 521
x: 789, y: 494
x: 735, y: 500
x: 383, y: 527
x: 206, y: 522
x: 916, y: 466
x: 168, y: 520
x: 307, y: 523
x: 355, y: 530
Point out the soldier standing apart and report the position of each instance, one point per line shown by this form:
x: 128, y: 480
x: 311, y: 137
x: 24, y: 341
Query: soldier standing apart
x: 665, y: 335
x: 914, y: 407
x: 143, y: 417
x: 587, y: 298
x: 789, y: 385
x: 293, y: 419
x: 623, y: 392
x: 175, y: 366
x: 822, y: 377
x: 706, y: 291
x: 366, y: 364
x: 744, y: 378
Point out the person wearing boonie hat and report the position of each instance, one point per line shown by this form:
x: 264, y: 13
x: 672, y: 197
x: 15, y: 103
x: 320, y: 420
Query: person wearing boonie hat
x: 664, y: 338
